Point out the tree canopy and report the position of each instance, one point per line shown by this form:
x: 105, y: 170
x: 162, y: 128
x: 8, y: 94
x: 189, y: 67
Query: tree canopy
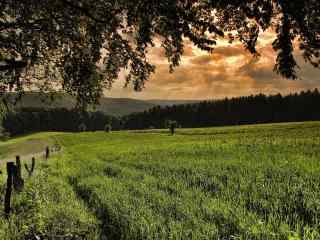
x: 81, y: 46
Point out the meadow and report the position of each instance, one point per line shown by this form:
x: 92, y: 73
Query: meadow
x: 243, y: 182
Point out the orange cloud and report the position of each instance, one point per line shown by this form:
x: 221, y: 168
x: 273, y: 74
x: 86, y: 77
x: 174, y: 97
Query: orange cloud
x: 229, y: 71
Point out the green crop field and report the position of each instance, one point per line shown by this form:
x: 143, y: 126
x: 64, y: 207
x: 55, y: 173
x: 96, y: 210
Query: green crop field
x: 245, y: 182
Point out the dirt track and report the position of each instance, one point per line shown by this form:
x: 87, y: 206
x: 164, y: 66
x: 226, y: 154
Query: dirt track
x: 28, y: 157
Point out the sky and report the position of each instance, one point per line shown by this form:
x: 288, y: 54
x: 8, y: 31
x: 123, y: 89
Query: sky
x: 229, y: 71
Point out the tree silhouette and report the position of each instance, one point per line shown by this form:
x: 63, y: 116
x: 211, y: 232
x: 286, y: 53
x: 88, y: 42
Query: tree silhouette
x: 172, y: 126
x: 82, y: 46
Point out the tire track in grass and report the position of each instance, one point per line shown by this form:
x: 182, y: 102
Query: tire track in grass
x: 131, y: 182
x: 108, y: 201
x: 116, y: 222
x: 251, y: 196
x: 129, y: 191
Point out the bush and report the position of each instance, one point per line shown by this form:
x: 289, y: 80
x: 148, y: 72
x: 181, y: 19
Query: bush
x: 108, y: 128
x: 82, y: 127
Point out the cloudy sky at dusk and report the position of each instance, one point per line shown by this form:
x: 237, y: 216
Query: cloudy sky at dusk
x: 228, y: 71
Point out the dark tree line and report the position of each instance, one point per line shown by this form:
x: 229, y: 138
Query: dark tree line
x: 303, y: 106
x: 28, y: 120
x: 260, y: 108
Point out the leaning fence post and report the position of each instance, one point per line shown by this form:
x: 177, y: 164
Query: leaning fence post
x: 18, y: 182
x: 18, y: 164
x: 7, y: 199
x: 33, y: 164
x: 47, y: 152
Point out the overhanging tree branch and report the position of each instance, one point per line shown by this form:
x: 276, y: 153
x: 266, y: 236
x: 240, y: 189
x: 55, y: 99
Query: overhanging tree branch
x: 85, y: 11
x: 12, y: 64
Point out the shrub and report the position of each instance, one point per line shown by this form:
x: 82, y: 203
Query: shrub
x: 108, y: 128
x: 82, y: 127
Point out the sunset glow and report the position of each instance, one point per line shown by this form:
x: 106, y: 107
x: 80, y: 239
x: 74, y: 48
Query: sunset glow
x: 229, y: 71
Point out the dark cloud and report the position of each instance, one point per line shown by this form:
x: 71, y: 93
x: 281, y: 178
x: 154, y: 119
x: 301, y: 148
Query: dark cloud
x: 264, y: 79
x: 255, y: 70
x: 187, y: 74
x: 220, y: 54
x: 158, y: 53
x: 230, y: 51
x: 201, y: 60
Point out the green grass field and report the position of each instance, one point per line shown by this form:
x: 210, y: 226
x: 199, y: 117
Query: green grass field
x: 248, y: 182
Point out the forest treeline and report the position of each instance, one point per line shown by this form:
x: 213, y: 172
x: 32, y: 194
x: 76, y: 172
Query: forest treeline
x: 28, y: 120
x: 303, y: 106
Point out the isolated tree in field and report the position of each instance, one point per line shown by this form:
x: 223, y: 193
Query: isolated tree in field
x: 172, y: 125
x: 82, y: 46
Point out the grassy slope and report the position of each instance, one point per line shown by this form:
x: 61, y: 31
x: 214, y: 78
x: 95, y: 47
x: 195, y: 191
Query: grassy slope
x: 249, y: 182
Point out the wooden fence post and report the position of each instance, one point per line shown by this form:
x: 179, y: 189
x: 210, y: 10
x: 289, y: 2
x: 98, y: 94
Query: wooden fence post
x: 18, y: 164
x: 47, y: 152
x: 18, y: 182
x: 7, y: 199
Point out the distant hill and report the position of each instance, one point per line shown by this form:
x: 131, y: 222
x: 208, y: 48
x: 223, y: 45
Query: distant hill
x: 123, y: 106
x: 161, y: 102
x: 110, y: 106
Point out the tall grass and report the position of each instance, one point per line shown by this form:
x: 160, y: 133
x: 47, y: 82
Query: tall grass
x: 252, y: 182
x: 249, y: 182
